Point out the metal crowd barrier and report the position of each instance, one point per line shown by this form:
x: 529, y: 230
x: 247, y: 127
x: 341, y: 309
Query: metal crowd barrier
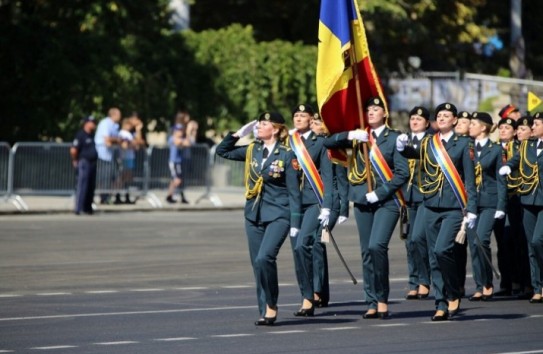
x: 42, y: 169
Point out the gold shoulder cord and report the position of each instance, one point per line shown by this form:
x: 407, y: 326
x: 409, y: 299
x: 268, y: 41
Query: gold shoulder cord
x: 514, y: 181
x: 252, y: 175
x: 433, y: 181
x: 358, y: 174
x: 412, y: 163
x: 478, y: 175
x: 530, y: 180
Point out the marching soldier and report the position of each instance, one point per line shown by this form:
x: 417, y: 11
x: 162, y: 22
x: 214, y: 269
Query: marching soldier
x: 316, y: 187
x: 376, y: 205
x: 447, y: 181
x: 529, y: 162
x: 491, y: 202
x: 273, y: 199
x: 524, y: 128
x: 418, y: 265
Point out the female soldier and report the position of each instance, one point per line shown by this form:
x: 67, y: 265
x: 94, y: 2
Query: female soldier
x: 376, y: 206
x: 447, y: 180
x: 529, y: 161
x: 316, y: 201
x: 272, y: 202
x: 524, y: 128
x: 417, y: 253
x: 491, y: 202
x: 339, y: 214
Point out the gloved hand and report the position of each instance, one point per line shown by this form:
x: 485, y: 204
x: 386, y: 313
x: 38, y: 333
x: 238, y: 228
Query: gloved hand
x: 255, y: 131
x: 358, y: 134
x: 401, y: 142
x: 372, y: 197
x: 294, y: 232
x: 324, y: 216
x: 246, y: 129
x: 342, y: 219
x: 499, y: 214
x: 504, y: 170
x: 471, y: 220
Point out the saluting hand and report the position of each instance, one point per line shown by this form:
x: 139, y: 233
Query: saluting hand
x: 246, y: 129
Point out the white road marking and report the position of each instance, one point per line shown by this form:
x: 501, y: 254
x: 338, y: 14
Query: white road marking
x: 101, y: 291
x: 6, y: 351
x: 528, y: 352
x: 391, y: 325
x: 174, y: 339
x: 192, y: 288
x: 55, y: 347
x: 288, y: 332
x: 9, y: 295
x: 146, y: 290
x: 338, y: 328
x: 117, y: 343
x: 232, y: 335
x: 237, y: 286
x: 53, y: 294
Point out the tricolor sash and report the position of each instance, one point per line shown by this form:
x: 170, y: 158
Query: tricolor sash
x: 380, y: 165
x: 450, y: 171
x: 307, y: 164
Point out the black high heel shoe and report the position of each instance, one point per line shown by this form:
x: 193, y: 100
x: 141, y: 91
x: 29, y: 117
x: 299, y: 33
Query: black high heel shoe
x: 383, y: 315
x: 265, y: 321
x: 305, y: 312
x: 440, y: 318
x: 370, y: 315
x: 456, y: 310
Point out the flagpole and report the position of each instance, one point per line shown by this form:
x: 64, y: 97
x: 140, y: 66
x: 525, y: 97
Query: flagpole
x: 360, y: 113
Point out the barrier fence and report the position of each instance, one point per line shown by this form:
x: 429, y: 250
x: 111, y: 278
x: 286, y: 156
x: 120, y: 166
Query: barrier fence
x: 45, y: 169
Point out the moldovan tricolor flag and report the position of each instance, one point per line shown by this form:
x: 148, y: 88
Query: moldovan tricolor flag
x: 343, y: 51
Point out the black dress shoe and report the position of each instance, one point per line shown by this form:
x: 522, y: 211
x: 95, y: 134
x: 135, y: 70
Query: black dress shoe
x: 305, y: 312
x: 440, y: 318
x: 422, y: 296
x: 265, y: 321
x: 456, y: 310
x: 383, y: 315
x: 370, y: 315
x: 487, y: 297
x: 412, y: 296
x: 475, y: 298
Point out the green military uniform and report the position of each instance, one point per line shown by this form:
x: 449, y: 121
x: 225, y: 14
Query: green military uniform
x: 530, y: 166
x: 418, y: 264
x: 375, y: 222
x: 491, y: 197
x: 272, y: 207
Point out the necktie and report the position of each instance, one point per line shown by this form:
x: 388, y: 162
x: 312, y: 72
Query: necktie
x: 478, y: 147
x: 540, y: 145
x: 374, y: 135
x: 444, y: 142
x: 265, y: 153
x: 415, y: 140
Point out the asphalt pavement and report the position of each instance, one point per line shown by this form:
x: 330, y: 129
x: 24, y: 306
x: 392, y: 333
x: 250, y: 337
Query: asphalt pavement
x: 178, y: 280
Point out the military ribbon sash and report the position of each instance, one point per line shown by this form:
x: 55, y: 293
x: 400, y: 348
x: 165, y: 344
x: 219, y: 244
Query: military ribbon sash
x: 383, y: 170
x: 306, y: 162
x: 450, y: 171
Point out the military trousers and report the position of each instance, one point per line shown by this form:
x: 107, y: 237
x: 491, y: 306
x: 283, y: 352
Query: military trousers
x: 533, y: 225
x: 418, y: 265
x: 479, y: 247
x: 321, y: 283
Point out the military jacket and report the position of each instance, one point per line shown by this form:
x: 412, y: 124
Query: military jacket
x: 530, y: 166
x: 491, y: 187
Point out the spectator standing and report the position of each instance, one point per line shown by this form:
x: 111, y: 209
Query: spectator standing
x: 177, y: 142
x: 131, y: 139
x: 107, y: 143
x: 84, y: 156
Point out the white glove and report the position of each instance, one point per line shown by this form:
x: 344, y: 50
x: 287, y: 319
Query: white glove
x: 372, y: 197
x: 246, y: 129
x: 358, y: 134
x: 471, y: 220
x: 324, y: 216
x: 255, y: 131
x: 342, y: 219
x: 294, y: 232
x: 504, y: 170
x: 499, y: 214
x: 401, y: 142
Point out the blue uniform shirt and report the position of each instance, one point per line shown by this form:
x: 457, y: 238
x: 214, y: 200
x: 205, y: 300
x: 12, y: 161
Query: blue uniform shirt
x: 84, y: 143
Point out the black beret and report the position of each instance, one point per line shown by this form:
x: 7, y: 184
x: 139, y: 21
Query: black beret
x: 420, y: 111
x: 375, y: 101
x: 446, y: 107
x: 525, y: 121
x: 507, y: 110
x: 483, y: 117
x: 538, y: 115
x: 464, y: 114
x: 273, y: 117
x: 507, y: 121
x: 304, y: 107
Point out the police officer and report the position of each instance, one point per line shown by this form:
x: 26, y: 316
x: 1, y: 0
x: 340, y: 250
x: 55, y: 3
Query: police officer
x: 376, y: 206
x: 448, y: 184
x: 273, y: 203
x: 418, y: 265
x: 491, y: 201
x: 84, y: 157
x: 316, y: 208
x: 529, y: 161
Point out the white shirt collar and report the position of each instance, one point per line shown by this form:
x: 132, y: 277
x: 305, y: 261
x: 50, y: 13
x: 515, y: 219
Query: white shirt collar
x: 418, y: 135
x: 482, y: 142
x: 379, y: 130
x: 306, y: 134
x: 446, y: 137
